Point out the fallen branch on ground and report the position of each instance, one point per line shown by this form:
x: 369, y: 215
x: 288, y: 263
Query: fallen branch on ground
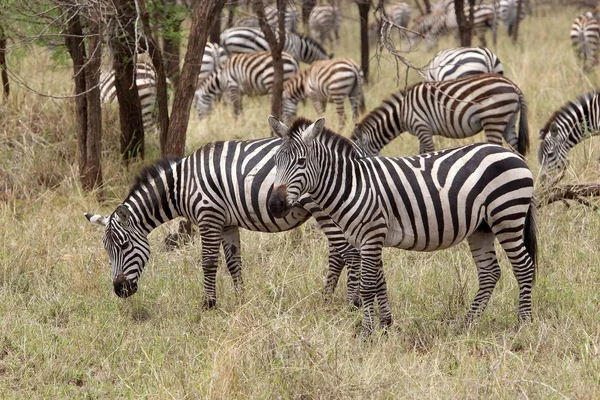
x: 569, y: 192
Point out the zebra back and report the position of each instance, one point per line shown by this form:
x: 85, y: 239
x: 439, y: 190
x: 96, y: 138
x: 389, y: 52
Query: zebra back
x: 461, y: 62
x: 213, y: 59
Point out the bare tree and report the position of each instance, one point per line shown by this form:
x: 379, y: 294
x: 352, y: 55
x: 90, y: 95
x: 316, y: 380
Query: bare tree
x: 203, y: 15
x: 307, y: 6
x: 363, y: 12
x: 171, y: 21
x: 5, y: 84
x: 427, y: 7
x: 465, y: 26
x: 276, y: 42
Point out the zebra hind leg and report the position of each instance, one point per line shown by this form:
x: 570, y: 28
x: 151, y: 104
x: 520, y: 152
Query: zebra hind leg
x: 339, y: 107
x: 233, y: 259
x: 212, y: 236
x: 481, y: 244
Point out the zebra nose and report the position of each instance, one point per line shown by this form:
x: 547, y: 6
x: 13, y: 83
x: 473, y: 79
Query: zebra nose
x: 124, y: 287
x: 278, y: 202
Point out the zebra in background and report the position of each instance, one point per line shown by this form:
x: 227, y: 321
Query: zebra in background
x: 430, y: 202
x: 252, y: 40
x: 221, y: 187
x: 325, y: 81
x: 213, y: 59
x: 399, y: 13
x: 250, y: 74
x: 457, y: 109
x: 323, y: 20
x: 272, y: 17
x: 507, y: 10
x: 585, y: 37
x: 145, y: 80
x: 574, y: 122
x: 462, y: 62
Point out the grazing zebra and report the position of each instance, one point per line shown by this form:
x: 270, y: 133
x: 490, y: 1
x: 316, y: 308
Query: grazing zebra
x: 430, y: 202
x: 454, y: 109
x: 323, y: 20
x: 213, y: 59
x: 507, y: 10
x: 462, y: 62
x: 272, y: 17
x: 585, y: 37
x: 252, y: 40
x: 250, y: 74
x: 221, y: 187
x: 325, y: 81
x: 574, y: 122
x: 145, y: 80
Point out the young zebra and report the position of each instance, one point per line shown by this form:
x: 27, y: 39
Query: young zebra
x: 462, y: 62
x: 213, y: 59
x: 221, y: 187
x: 454, y: 109
x: 250, y: 74
x: 325, y: 81
x: 252, y: 40
x: 323, y: 20
x: 574, y: 122
x: 585, y: 37
x: 145, y: 80
x: 424, y: 203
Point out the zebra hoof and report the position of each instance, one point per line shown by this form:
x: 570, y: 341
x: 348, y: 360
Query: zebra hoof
x: 209, y: 303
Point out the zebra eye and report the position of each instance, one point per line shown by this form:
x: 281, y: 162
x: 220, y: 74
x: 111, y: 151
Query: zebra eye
x: 301, y: 162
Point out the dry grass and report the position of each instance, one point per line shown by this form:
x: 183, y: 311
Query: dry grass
x: 64, y: 334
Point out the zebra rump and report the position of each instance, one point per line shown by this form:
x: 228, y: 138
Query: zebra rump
x: 462, y: 62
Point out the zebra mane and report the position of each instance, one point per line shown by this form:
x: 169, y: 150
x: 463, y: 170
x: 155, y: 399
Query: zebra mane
x: 334, y: 140
x: 583, y: 99
x: 151, y: 172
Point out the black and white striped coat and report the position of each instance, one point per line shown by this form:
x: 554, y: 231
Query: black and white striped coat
x: 430, y: 202
x: 323, y: 21
x: 507, y: 11
x: 454, y: 109
x: 243, y: 74
x: 399, y: 13
x: 325, y: 81
x: 252, y: 40
x: 585, y: 37
x: 145, y: 80
x: 213, y: 59
x: 272, y: 17
x: 574, y: 122
x: 221, y: 187
x: 462, y: 62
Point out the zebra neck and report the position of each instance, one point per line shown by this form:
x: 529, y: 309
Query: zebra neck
x: 587, y: 124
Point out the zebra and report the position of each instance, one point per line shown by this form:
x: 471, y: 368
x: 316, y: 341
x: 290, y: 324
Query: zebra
x: 585, y: 37
x: 455, y: 109
x: 331, y: 80
x: 462, y: 62
x: 250, y: 74
x: 221, y: 187
x: 323, y: 20
x: 430, y: 202
x: 399, y: 13
x: 213, y: 59
x: 252, y: 40
x: 507, y: 10
x: 272, y: 17
x: 145, y: 80
x: 571, y: 124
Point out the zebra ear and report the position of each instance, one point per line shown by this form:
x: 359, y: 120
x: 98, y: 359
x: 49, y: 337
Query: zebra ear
x: 97, y: 219
x: 277, y: 127
x: 122, y: 213
x: 313, y: 130
x: 554, y: 130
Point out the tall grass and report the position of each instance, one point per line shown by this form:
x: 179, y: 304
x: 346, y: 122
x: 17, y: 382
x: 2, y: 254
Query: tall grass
x: 63, y: 333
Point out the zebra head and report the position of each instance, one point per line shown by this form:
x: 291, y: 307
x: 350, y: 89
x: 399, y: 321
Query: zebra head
x: 205, y: 95
x: 295, y: 168
x: 127, y: 248
x: 552, y: 154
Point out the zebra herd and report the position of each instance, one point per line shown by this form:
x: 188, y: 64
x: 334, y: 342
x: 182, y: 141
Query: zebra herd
x: 362, y: 202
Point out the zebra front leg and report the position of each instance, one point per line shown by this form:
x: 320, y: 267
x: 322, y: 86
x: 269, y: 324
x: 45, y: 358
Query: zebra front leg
x: 339, y: 107
x: 425, y: 142
x: 481, y: 244
x: 233, y: 259
x: 318, y: 104
x: 211, y: 240
x: 372, y: 285
x: 236, y: 99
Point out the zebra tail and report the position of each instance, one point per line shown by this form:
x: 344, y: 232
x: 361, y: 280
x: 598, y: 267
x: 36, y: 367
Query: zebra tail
x: 530, y: 236
x: 523, y: 139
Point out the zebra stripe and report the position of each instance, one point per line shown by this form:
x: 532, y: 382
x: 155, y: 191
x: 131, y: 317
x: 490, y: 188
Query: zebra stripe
x: 585, y: 37
x: 323, y: 20
x: 507, y: 10
x: 325, y: 81
x: 430, y: 202
x: 399, y: 13
x: 574, y: 122
x: 145, y: 80
x: 213, y: 59
x: 252, y: 40
x: 462, y: 62
x: 454, y: 109
x: 221, y: 187
x: 250, y: 74
x: 272, y: 17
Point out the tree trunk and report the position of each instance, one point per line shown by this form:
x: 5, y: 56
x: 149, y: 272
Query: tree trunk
x: 464, y: 28
x: 307, y: 6
x: 161, y: 79
x: 363, y: 11
x: 5, y: 84
x: 203, y: 13
x: 92, y: 174
x: 130, y: 108
x: 215, y: 33
x: 276, y: 43
x: 427, y: 6
x: 515, y: 29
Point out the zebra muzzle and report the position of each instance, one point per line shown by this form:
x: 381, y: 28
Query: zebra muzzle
x: 124, y: 287
x: 278, y: 205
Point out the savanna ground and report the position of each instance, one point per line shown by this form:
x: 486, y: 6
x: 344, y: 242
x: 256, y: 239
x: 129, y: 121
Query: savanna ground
x: 63, y: 332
